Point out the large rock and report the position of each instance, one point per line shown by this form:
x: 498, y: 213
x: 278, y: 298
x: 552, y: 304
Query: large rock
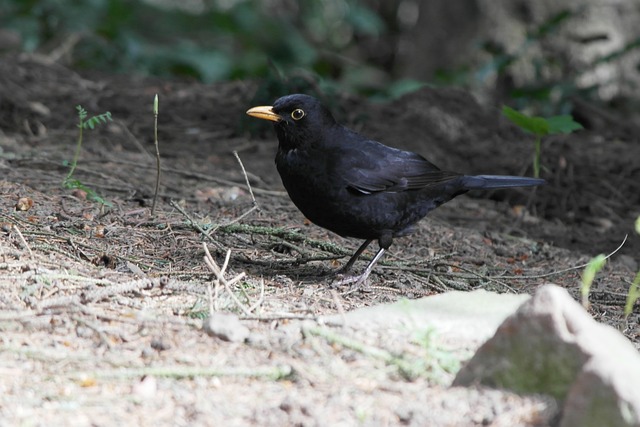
x: 551, y: 345
x: 461, y: 320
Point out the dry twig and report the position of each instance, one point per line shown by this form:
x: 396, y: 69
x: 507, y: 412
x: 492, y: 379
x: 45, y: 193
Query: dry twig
x: 219, y: 272
x: 24, y: 242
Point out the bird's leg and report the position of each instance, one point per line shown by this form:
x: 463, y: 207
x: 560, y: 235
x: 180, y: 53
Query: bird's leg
x: 367, y: 271
x: 354, y: 257
x: 360, y: 279
x: 385, y: 240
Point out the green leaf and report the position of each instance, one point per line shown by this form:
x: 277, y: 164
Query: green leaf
x: 632, y: 296
x: 638, y: 225
x: 589, y: 274
x: 563, y: 124
x: 94, y: 121
x: 535, y: 125
x: 82, y: 113
x: 539, y: 125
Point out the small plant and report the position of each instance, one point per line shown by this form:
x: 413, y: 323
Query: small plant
x: 541, y: 127
x: 634, y: 290
x: 589, y: 274
x: 155, y: 138
x: 85, y: 123
x: 595, y: 265
x: 632, y: 296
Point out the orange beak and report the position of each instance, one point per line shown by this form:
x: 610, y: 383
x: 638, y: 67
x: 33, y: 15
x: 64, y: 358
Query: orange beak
x: 264, y: 112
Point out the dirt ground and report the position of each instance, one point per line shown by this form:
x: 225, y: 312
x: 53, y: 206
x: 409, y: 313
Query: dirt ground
x: 102, y: 306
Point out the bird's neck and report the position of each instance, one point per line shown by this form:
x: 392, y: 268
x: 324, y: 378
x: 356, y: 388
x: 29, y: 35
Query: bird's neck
x: 300, y: 139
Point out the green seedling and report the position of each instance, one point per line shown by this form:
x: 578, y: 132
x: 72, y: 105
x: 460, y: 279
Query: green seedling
x: 634, y: 290
x: 541, y: 127
x: 85, y: 123
x: 632, y: 296
x: 589, y: 274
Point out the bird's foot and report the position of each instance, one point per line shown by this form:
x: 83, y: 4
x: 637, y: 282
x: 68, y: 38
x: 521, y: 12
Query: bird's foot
x: 358, y: 282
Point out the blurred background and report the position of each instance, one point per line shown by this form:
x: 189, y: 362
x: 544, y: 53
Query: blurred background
x: 544, y: 56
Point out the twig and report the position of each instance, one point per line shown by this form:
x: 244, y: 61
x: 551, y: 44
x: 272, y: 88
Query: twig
x: 225, y: 264
x: 64, y: 301
x: 213, y: 266
x: 566, y: 270
x: 210, y: 296
x: 253, y: 200
x: 121, y: 288
x: 24, y: 242
x: 195, y: 225
x: 282, y: 316
x: 73, y: 278
x: 260, y: 300
x: 246, y: 178
x: 266, y: 372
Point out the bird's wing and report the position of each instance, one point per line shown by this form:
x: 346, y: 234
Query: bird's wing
x: 385, y: 169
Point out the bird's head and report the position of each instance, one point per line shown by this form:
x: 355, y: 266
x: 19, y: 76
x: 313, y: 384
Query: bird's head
x: 299, y: 120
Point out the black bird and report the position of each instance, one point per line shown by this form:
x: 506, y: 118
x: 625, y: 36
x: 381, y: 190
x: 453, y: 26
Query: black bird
x: 357, y: 187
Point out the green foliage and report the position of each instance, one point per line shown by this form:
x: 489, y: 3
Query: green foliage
x: 562, y: 124
x: 589, y: 274
x: 595, y: 265
x: 535, y: 125
x: 91, y: 122
x: 539, y: 126
x: 85, y: 123
x: 210, y: 41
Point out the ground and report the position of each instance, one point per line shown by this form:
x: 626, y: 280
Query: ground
x: 102, y: 306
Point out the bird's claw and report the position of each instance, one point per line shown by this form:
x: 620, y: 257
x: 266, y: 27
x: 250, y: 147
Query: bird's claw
x: 358, y: 283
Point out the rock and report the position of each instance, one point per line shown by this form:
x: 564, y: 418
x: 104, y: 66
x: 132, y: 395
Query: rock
x: 607, y: 393
x: 226, y: 327
x: 462, y: 320
x: 551, y: 345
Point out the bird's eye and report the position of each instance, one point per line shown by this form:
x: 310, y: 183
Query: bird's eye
x: 297, y: 114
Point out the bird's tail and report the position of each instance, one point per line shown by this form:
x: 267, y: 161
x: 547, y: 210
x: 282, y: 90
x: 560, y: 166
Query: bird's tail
x: 488, y: 182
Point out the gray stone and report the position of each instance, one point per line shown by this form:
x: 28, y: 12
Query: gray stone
x: 226, y: 327
x: 551, y: 345
x: 461, y: 320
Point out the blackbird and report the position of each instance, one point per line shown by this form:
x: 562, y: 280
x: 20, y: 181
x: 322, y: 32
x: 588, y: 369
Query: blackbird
x: 357, y: 187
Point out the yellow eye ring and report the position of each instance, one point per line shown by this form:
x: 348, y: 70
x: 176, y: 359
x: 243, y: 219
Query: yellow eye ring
x: 297, y: 114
